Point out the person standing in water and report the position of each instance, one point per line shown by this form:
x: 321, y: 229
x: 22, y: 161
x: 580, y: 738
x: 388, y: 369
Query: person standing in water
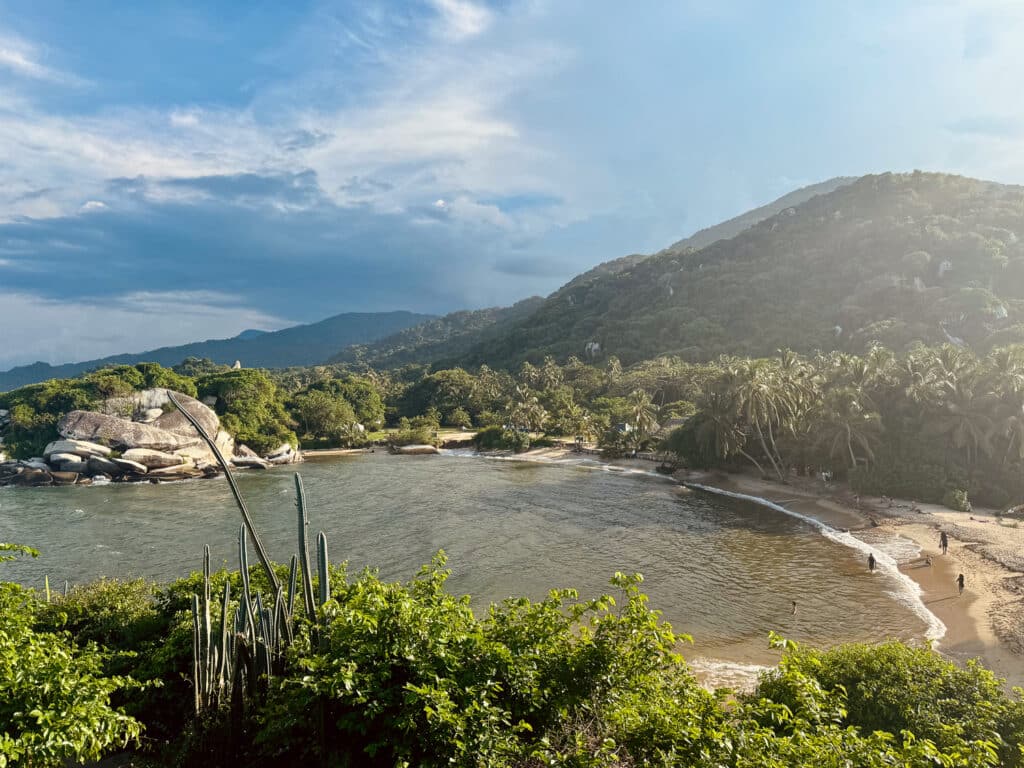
x: 960, y: 584
x: 793, y: 610
x: 943, y: 541
x: 871, y: 561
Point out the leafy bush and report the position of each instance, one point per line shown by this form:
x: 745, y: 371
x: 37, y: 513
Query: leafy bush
x: 956, y: 498
x: 499, y: 438
x: 419, y: 430
x: 407, y: 675
x: 55, y: 699
x: 250, y: 407
x: 459, y: 417
x: 894, y: 688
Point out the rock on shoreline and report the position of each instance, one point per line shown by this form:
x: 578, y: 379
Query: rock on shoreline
x: 136, y: 438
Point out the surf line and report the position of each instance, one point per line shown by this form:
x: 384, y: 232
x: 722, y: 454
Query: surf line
x: 911, y: 594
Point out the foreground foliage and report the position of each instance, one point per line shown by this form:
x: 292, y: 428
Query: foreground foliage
x: 406, y: 674
x: 55, y: 694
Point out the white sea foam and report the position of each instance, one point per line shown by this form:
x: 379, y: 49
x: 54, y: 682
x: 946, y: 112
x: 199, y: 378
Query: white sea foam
x: 907, y: 592
x: 565, y: 461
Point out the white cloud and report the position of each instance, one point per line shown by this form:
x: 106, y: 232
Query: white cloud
x: 21, y: 57
x: 462, y: 19
x: 62, y: 331
x: 182, y: 119
x: 93, y: 205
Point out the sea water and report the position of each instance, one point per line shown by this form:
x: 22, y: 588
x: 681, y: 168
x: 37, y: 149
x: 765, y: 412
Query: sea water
x: 723, y: 570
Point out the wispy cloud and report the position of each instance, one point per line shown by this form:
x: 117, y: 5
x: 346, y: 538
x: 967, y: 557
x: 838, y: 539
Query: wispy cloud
x: 22, y: 58
x: 461, y: 18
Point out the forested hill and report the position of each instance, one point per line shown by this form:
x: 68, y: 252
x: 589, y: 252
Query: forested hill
x: 439, y: 340
x: 298, y: 345
x: 722, y: 231
x: 892, y: 258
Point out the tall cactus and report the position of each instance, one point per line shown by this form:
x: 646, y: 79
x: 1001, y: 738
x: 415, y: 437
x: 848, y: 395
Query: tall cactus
x: 322, y: 564
x: 252, y: 643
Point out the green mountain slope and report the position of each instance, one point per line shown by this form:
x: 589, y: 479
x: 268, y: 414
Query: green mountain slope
x: 709, y: 235
x: 893, y: 258
x: 441, y: 339
x: 298, y: 345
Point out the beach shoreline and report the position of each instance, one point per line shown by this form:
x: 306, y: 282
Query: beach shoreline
x: 985, y: 623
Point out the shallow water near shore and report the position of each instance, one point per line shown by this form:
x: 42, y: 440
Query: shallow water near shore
x: 722, y: 570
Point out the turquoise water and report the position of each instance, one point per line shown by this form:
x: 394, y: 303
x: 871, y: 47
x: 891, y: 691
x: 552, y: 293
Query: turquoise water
x: 724, y: 571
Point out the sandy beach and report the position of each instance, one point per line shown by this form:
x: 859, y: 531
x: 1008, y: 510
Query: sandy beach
x: 986, y: 622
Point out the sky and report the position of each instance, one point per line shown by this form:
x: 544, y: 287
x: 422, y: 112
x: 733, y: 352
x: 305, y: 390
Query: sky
x: 175, y: 171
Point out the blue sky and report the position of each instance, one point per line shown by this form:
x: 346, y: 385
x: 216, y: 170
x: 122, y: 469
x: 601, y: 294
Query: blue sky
x: 172, y: 171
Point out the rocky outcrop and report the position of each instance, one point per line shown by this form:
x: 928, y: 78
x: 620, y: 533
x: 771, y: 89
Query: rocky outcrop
x: 153, y: 459
x: 250, y: 462
x: 284, y: 455
x: 76, y: 447
x: 121, y: 433
x: 158, y: 443
x: 416, y: 450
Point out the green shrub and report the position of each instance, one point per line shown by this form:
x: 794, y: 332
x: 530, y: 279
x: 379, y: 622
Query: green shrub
x: 956, y: 498
x: 490, y: 438
x: 499, y: 438
x: 55, y: 698
x: 893, y: 688
x: 408, y: 675
x: 459, y: 417
x: 420, y: 430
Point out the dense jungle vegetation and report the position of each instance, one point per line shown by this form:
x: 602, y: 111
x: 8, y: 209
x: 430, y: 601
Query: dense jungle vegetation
x: 934, y: 424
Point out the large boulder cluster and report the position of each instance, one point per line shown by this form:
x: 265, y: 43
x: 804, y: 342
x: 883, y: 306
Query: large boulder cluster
x: 138, y: 437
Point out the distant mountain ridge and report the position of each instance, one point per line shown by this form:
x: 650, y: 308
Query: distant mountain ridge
x: 299, y: 345
x: 440, y: 340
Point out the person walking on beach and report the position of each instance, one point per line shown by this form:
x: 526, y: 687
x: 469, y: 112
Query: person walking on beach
x: 960, y: 584
x: 943, y: 541
x: 871, y: 561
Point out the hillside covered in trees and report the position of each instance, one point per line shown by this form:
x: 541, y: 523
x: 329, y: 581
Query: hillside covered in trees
x: 893, y: 258
x: 440, y: 339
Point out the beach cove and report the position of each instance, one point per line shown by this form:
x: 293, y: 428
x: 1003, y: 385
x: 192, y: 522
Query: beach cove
x: 720, y: 570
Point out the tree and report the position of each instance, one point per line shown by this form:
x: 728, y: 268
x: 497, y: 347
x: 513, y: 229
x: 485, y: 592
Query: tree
x: 320, y: 414
x: 843, y: 422
x: 525, y: 413
x: 643, y: 417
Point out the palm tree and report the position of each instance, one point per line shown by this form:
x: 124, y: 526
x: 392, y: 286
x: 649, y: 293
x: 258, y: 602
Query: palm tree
x: 765, y: 403
x: 643, y: 416
x: 525, y: 411
x: 844, y: 422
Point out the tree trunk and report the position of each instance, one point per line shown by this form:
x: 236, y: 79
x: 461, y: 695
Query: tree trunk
x: 754, y: 462
x: 768, y: 453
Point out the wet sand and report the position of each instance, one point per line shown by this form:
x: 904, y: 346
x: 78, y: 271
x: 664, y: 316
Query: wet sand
x: 987, y: 621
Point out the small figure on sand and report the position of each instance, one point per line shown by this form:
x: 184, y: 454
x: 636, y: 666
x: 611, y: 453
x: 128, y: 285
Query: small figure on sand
x: 871, y: 561
x: 960, y: 584
x: 792, y: 611
x: 943, y: 541
x: 927, y: 560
